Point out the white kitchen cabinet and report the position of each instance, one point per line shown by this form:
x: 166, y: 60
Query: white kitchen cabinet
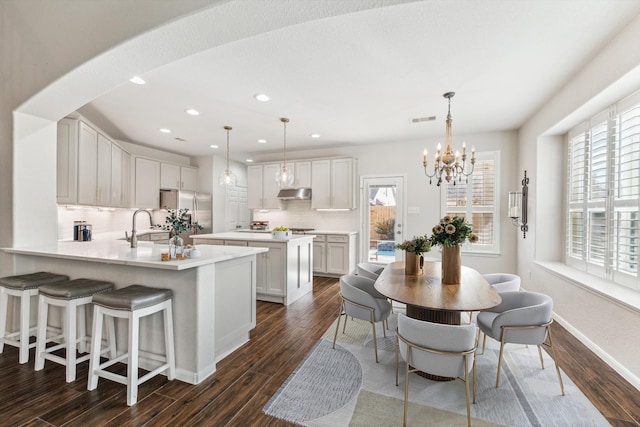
x: 338, y: 253
x: 67, y: 162
x: 302, y: 174
x: 271, y: 267
x: 262, y: 188
x: 177, y: 177
x: 94, y: 167
x: 147, y: 184
x: 333, y: 184
x: 103, y: 171
x: 116, y: 176
x: 126, y: 180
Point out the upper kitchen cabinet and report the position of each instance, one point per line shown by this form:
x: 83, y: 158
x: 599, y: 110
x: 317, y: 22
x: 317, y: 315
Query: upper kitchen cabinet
x: 333, y: 184
x: 176, y: 177
x: 262, y: 192
x: 84, y: 164
x: 302, y: 174
x: 120, y: 177
x: 146, y: 183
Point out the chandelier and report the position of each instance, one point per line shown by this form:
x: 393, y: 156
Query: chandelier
x: 227, y: 178
x: 284, y: 176
x: 448, y: 164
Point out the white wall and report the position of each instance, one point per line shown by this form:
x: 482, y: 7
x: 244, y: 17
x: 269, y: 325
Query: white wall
x: 609, y: 327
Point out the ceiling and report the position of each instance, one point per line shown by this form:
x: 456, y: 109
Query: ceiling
x: 360, y: 78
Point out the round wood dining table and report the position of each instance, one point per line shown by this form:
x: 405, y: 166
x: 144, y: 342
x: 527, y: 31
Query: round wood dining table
x: 427, y: 298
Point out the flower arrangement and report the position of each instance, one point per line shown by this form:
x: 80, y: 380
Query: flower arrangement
x: 178, y: 222
x: 452, y: 231
x: 417, y: 245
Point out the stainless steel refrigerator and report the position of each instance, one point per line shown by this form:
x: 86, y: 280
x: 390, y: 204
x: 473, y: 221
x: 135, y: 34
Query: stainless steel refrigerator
x: 197, y: 204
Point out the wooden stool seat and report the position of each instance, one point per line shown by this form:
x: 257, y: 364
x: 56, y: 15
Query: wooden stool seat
x: 70, y: 295
x: 23, y: 286
x: 131, y: 303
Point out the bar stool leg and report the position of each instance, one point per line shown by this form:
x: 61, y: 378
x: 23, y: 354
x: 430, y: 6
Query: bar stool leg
x: 71, y: 341
x: 132, y: 377
x: 4, y: 302
x: 25, y: 308
x: 82, y: 328
x: 96, y: 339
x: 111, y: 334
x: 41, y: 334
x: 168, y: 339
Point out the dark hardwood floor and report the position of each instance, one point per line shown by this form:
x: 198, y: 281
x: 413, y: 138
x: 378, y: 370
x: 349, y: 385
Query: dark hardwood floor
x: 245, y: 380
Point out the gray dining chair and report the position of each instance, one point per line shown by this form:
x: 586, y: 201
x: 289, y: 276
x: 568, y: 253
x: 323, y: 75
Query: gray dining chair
x: 503, y: 282
x: 370, y: 270
x: 521, y: 318
x: 362, y: 301
x: 439, y: 349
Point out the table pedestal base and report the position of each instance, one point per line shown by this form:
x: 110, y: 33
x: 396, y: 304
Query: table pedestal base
x: 434, y: 316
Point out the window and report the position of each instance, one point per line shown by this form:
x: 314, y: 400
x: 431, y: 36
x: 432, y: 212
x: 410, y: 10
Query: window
x: 603, y: 188
x: 477, y: 201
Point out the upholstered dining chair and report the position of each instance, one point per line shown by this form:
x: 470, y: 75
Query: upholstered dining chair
x: 370, y: 270
x: 439, y: 349
x: 362, y: 301
x: 521, y: 318
x: 503, y: 282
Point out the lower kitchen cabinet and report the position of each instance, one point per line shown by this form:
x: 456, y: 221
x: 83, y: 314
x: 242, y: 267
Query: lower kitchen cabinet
x: 284, y: 273
x: 334, y: 254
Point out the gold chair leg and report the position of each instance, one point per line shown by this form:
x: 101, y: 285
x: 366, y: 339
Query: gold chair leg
x: 466, y: 389
x: 553, y: 356
x: 406, y: 387
x: 540, y: 354
x: 384, y: 329
x: 500, y: 361
x: 335, y: 336
x: 484, y: 342
x: 397, y: 350
x: 375, y: 341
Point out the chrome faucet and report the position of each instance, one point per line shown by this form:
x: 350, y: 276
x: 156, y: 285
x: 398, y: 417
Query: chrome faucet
x: 134, y: 238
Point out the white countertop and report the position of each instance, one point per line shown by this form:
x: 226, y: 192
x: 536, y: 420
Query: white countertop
x: 348, y: 233
x: 256, y: 237
x: 111, y: 251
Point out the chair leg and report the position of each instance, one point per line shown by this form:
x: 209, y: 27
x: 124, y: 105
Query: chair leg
x: 375, y: 341
x: 4, y: 302
x: 553, y: 356
x: 25, y: 305
x: 132, y: 368
x: 500, y: 361
x: 335, y: 336
x: 406, y: 387
x: 384, y: 329
x: 466, y: 388
x: 397, y: 345
x: 484, y: 342
x: 71, y: 341
x: 540, y: 355
x: 41, y: 334
x: 96, y: 339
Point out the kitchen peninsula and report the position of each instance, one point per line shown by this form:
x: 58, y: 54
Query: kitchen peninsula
x: 214, y: 294
x: 284, y: 273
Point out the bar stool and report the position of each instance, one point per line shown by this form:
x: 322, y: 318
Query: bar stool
x: 69, y: 295
x: 23, y: 286
x: 131, y: 303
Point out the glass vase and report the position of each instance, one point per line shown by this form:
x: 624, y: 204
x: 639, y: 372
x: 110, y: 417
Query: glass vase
x: 176, y: 246
x: 451, y: 265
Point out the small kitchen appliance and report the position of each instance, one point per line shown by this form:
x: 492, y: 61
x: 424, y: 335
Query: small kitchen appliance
x: 259, y: 225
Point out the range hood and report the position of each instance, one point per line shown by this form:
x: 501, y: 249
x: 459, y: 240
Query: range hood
x: 295, y: 194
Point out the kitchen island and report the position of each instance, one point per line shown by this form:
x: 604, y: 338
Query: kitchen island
x: 284, y: 273
x: 213, y: 295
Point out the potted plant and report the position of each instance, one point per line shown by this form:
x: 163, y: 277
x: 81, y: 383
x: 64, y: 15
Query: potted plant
x: 177, y: 222
x: 414, y: 248
x: 450, y: 233
x: 281, y: 233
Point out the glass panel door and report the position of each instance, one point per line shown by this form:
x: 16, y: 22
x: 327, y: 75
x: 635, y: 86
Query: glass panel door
x: 383, y: 219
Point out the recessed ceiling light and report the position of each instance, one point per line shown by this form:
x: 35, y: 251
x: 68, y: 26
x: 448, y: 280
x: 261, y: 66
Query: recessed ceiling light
x: 261, y: 97
x: 315, y: 135
x: 192, y: 112
x: 137, y: 80
x: 249, y: 160
x: 213, y: 146
x: 165, y: 130
x: 262, y: 141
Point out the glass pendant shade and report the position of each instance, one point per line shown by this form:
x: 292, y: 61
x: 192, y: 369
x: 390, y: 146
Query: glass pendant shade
x: 284, y: 176
x: 227, y: 178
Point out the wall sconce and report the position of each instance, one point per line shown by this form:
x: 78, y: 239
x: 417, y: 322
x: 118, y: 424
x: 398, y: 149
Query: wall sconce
x: 518, y: 206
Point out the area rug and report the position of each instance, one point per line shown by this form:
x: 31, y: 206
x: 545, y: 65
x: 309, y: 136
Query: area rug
x: 345, y: 387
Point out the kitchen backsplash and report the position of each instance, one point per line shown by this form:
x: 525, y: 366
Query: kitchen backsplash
x: 102, y: 221
x: 298, y: 213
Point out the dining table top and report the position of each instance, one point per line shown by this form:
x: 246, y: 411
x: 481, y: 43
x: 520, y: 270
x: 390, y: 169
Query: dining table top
x: 427, y: 291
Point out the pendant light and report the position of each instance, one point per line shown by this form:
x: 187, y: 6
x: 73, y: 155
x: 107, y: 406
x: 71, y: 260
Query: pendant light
x: 284, y: 176
x: 227, y: 178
